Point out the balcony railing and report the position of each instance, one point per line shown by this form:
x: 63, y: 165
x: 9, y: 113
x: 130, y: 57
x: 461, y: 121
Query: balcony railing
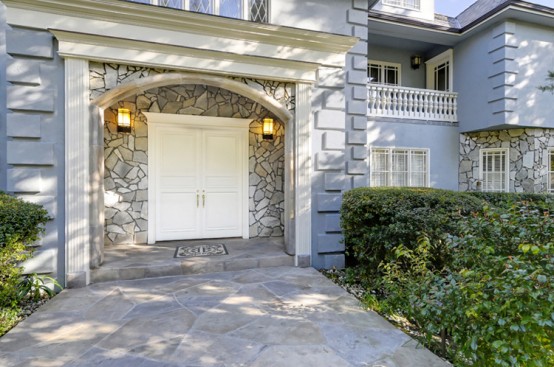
x: 412, y: 103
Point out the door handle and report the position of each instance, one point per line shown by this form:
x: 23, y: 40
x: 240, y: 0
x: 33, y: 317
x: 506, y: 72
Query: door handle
x: 203, y: 198
x: 197, y: 198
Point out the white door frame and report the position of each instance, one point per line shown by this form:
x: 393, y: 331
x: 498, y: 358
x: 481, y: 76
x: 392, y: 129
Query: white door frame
x: 157, y: 120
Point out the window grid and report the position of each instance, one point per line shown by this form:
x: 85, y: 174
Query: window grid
x: 494, y: 170
x: 379, y: 72
x: 551, y: 171
x: 442, y: 77
x: 254, y: 10
x: 408, y: 4
x: 399, y: 167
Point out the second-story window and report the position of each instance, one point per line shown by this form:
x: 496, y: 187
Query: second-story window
x: 254, y: 10
x: 440, y: 72
x: 408, y: 4
x: 380, y: 72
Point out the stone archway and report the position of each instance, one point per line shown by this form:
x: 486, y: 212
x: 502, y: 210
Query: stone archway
x: 138, y: 86
x: 84, y: 161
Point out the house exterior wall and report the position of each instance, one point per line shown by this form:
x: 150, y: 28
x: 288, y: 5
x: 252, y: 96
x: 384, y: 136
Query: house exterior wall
x: 37, y: 107
x: 409, y: 77
x: 513, y: 58
x: 535, y: 57
x: 313, y: 15
x: 126, y: 154
x: 33, y: 160
x: 527, y: 153
x: 339, y: 137
x: 441, y: 139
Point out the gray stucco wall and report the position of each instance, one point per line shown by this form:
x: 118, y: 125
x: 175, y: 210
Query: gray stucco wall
x: 471, y: 75
x: 535, y: 57
x: 409, y: 77
x: 35, y: 137
x: 497, y: 73
x: 318, y: 15
x: 339, y: 138
x: 442, y: 140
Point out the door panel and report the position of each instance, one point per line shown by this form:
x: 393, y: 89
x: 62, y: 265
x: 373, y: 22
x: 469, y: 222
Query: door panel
x: 222, y: 182
x: 199, y: 183
x: 178, y: 179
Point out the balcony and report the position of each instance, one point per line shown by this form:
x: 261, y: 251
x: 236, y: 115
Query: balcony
x: 412, y: 103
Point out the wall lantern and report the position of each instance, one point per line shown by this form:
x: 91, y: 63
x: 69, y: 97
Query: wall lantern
x: 123, y: 120
x: 267, y: 129
x: 416, y: 61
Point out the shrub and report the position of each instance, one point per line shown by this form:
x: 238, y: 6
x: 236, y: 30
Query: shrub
x: 376, y: 220
x: 495, y: 300
x: 21, y: 223
x: 507, y: 199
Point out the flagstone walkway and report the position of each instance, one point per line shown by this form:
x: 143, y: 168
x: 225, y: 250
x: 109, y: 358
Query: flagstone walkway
x: 284, y: 316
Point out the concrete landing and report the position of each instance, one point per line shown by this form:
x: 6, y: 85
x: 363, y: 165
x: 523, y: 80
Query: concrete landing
x: 127, y: 262
x: 278, y: 317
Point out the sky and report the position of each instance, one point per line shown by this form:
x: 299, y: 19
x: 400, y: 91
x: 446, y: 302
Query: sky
x: 455, y: 7
x: 452, y: 7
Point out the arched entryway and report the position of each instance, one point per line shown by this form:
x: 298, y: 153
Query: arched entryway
x: 118, y: 96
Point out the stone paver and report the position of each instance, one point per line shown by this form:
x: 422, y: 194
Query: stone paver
x: 260, y: 317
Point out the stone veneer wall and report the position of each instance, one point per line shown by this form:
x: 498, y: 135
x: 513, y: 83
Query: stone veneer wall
x: 528, y: 150
x: 126, y: 155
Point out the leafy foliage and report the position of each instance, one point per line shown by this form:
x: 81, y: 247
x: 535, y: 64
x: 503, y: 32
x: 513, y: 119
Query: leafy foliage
x: 35, y: 287
x: 377, y: 220
x: 21, y: 224
x: 493, y: 304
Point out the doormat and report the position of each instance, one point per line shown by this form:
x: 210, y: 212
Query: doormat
x: 201, y: 250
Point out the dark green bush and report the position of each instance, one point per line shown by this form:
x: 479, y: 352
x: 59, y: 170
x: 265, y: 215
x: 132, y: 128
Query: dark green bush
x: 376, y: 220
x: 495, y: 301
x: 21, y: 223
x: 507, y: 199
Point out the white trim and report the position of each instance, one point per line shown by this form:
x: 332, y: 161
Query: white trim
x: 157, y: 120
x: 77, y: 174
x: 303, y: 169
x: 127, y: 20
x: 389, y: 172
x: 446, y: 56
x: 506, y: 152
x: 197, y: 121
x: 139, y: 85
x: 550, y: 170
x: 176, y: 57
x: 403, y: 4
x: 382, y: 64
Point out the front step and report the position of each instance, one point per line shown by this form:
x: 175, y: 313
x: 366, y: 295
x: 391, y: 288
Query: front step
x: 142, y: 261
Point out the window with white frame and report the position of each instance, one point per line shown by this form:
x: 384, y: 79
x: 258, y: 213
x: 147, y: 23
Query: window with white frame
x: 551, y: 170
x: 440, y: 72
x: 408, y: 4
x: 254, y: 10
x: 399, y: 167
x: 381, y: 72
x: 494, y: 170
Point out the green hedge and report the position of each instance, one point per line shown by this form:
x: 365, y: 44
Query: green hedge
x: 507, y: 199
x: 376, y: 220
x: 21, y: 223
x: 473, y: 270
x: 494, y: 304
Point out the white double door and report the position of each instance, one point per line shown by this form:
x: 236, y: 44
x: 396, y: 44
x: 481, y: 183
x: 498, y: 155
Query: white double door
x: 200, y: 182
